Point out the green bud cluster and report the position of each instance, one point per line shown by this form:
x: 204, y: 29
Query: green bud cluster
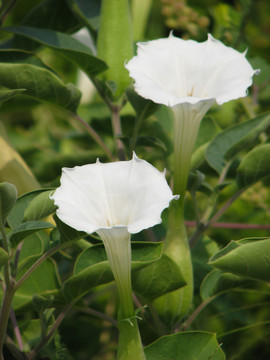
x: 181, y: 17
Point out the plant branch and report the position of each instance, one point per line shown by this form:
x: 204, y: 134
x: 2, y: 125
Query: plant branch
x: 16, y: 329
x: 44, y: 257
x: 197, y: 312
x: 94, y: 136
x: 117, y: 131
x: 213, y: 220
x: 6, y: 11
x: 98, y: 314
x: 47, y: 337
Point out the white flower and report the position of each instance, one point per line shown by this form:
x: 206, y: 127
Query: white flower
x: 173, y: 71
x: 189, y: 77
x: 103, y: 197
x: 115, y: 200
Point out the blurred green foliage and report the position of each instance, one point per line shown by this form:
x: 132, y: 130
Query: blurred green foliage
x: 49, y: 137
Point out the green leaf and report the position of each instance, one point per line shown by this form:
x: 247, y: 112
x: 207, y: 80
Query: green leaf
x: 40, y: 207
x: 143, y: 107
x: 5, y: 95
x: 234, y: 139
x: 26, y: 229
x: 87, y: 11
x: 39, y: 84
x: 254, y: 166
x: 64, y: 233
x: 3, y: 257
x: 92, y: 267
x: 65, y: 45
x: 247, y: 257
x: 17, y: 214
x: 32, y: 250
x: 217, y: 282
x: 43, y: 281
x: 8, y: 198
x: 46, y: 15
x: 158, y: 278
x: 188, y: 345
x: 41, y: 303
x: 196, y: 183
x: 150, y: 141
x: 201, y: 253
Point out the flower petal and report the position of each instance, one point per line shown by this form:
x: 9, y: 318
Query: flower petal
x: 129, y: 194
x: 172, y: 71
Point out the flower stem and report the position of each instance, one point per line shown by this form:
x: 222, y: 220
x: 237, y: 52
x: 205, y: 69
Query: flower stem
x: 118, y: 250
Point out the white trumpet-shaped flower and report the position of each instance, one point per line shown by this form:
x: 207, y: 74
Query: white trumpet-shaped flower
x: 189, y: 77
x: 173, y: 71
x: 115, y: 200
x: 113, y: 197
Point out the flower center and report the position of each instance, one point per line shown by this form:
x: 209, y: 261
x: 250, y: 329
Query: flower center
x: 190, y: 93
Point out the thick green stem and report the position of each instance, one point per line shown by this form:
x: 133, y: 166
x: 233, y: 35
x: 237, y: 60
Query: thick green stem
x: 118, y: 250
x: 174, y: 305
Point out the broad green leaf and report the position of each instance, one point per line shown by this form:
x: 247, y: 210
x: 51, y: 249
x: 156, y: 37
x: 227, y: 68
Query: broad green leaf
x: 232, y: 140
x: 157, y: 279
x: 64, y: 233
x: 14, y: 56
x: 208, y: 129
x: 43, y: 281
x: 5, y: 95
x: 65, y: 45
x: 254, y: 166
x: 8, y: 197
x: 45, y: 15
x: 26, y: 229
x: 32, y: 250
x: 3, y: 257
x: 87, y: 11
x: 217, y: 282
x: 40, y: 207
x: 201, y: 253
x: 92, y: 267
x: 247, y: 257
x: 40, y: 84
x: 188, y: 345
x: 143, y: 107
x: 17, y: 214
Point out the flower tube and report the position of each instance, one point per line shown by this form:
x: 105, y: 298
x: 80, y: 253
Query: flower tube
x: 115, y: 200
x: 189, y: 77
